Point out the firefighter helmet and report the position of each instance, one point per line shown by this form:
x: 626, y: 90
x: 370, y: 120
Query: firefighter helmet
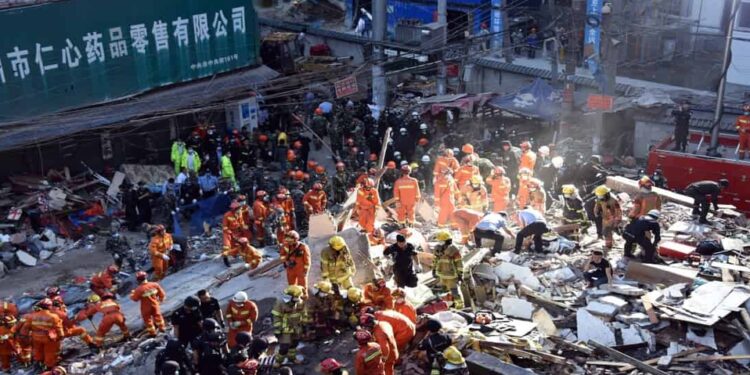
x: 94, y: 298
x: 330, y: 365
x: 601, y: 191
x: 500, y: 171
x: 44, y: 304
x: 293, y: 290
x: 398, y: 293
x: 320, y: 169
x: 369, y: 183
x: 362, y: 336
x: 453, y: 356
x: 569, y: 190
x: 317, y: 186
x: 423, y: 141
x: 391, y: 165
x: 425, y: 159
x: 140, y: 276
x: 260, y: 194
x: 52, y: 291
x: 319, y: 111
x: 243, y: 240
x: 373, y: 156
x: 367, y: 320
x: 645, y: 182
x: 354, y: 294
x: 337, y: 243
x: 297, y: 145
x: 467, y: 148
x: 406, y: 169
x: 324, y: 286
x: 234, y: 205
x: 340, y: 166
x: 292, y: 234
x: 112, y: 269
x: 443, y: 235
x: 312, y: 164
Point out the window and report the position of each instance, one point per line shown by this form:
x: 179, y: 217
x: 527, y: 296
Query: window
x: 743, y: 16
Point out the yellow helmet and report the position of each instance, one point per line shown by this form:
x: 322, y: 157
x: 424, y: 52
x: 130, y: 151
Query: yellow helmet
x: 94, y: 298
x: 453, y: 356
x: 337, y: 243
x: 569, y: 190
x: 601, y: 190
x: 324, y: 286
x: 281, y: 138
x: 294, y: 290
x: 443, y: 235
x: 354, y: 294
x: 476, y: 180
x: 414, y: 165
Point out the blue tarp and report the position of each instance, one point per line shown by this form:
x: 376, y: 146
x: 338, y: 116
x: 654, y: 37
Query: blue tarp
x: 537, y: 100
x: 209, y: 210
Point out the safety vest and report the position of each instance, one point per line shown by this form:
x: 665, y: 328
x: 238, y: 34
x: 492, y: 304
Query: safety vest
x: 448, y: 261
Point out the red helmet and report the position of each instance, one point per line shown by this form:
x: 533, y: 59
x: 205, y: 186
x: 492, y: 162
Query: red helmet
x: 263, y: 138
x: 299, y: 175
x: 234, y: 205
x: 260, y: 194
x: 406, y: 169
x: 318, y: 111
x: 367, y: 320
x: 312, y: 164
x: 281, y: 196
x: 44, y: 304
x: 243, y: 240
x: 500, y: 171
x: 423, y: 141
x: 283, y: 190
x: 373, y: 157
x: 467, y: 149
x: 297, y: 144
x: 52, y: 291
x: 293, y: 235
x: 391, y: 165
x: 645, y: 182
x: 340, y: 166
x: 320, y: 169
x: 330, y: 365
x: 241, y: 198
x: 362, y: 336
x: 317, y: 186
x: 112, y: 269
x: 525, y: 145
x: 140, y: 276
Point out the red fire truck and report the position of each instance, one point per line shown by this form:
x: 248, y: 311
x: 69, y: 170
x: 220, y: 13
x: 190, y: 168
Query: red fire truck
x: 681, y: 169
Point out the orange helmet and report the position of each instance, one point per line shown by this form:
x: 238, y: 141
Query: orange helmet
x: 317, y: 186
x: 312, y: 164
x: 467, y: 149
x: 260, y: 194
x: 423, y: 141
x: 263, y: 138
x: 318, y: 111
x: 391, y: 165
x: 299, y: 175
x: 320, y: 169
x: 140, y: 276
x: 500, y: 171
x: 373, y: 157
x: 525, y: 145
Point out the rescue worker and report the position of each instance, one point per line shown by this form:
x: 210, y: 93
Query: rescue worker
x: 403, y: 328
x: 178, y: 150
x: 455, y: 364
x: 682, y: 117
x: 532, y: 223
x: 337, y: 264
x: 466, y: 172
x: 403, y: 306
x: 499, y: 189
x: 433, y: 344
x: 637, y: 233
x: 111, y: 315
x: 522, y: 196
x: 493, y: 226
x: 446, y: 160
x: 474, y: 195
x: 385, y: 337
x: 46, y: 331
x: 210, y: 349
x: 377, y: 294
x: 119, y: 247
x: 159, y: 247
x: 105, y: 282
x: 315, y: 200
x: 240, y: 315
x: 233, y: 228
x: 322, y: 310
x: 537, y: 195
x: 445, y: 197
x: 407, y: 195
x: 287, y: 324
x: 250, y: 255
x: 8, y: 309
x: 174, y: 352
x: 466, y: 219
x: 573, y: 211
x: 331, y: 366
x: 23, y: 337
x: 608, y: 209
x: 69, y: 326
x: 7, y: 342
x: 352, y: 305
x: 151, y: 296
x: 187, y: 321
x: 528, y: 157
x: 369, y: 359
x: 646, y: 199
x: 227, y: 170
x: 340, y: 184
x: 285, y: 201
x: 699, y: 191
x: 509, y: 156
x: 295, y: 256
x: 448, y: 267
x: 658, y: 178
x: 366, y: 205
x: 260, y: 213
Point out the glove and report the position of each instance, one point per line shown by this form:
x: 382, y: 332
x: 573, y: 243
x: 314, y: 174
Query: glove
x: 226, y: 261
x: 165, y: 256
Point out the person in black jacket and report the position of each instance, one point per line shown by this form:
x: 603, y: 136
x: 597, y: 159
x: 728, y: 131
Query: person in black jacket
x: 681, y: 126
x: 404, y: 256
x: 175, y: 352
x: 699, y: 191
x: 636, y: 233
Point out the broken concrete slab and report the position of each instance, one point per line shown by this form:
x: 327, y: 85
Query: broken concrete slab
x: 484, y: 364
x: 702, y: 336
x: 742, y: 348
x: 629, y: 186
x: 624, y: 289
x: 25, y: 258
x: 601, y: 309
x: 560, y: 275
x: 617, y: 302
x: 544, y: 322
x: 713, y: 301
x: 507, y: 271
x: 590, y: 327
x: 660, y: 274
x: 638, y: 318
x: 689, y: 227
x: 517, y: 308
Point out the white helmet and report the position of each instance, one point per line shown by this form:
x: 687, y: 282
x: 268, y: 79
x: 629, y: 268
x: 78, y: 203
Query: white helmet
x: 426, y: 159
x: 544, y: 150
x: 423, y: 126
x: 557, y: 162
x: 415, y: 114
x: 240, y: 297
x: 397, y: 154
x: 402, y: 130
x: 404, y: 162
x: 654, y: 214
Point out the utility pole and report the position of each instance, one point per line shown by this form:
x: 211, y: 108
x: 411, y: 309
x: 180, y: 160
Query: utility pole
x: 719, y: 111
x: 508, y: 51
x: 442, y: 20
x: 379, y: 86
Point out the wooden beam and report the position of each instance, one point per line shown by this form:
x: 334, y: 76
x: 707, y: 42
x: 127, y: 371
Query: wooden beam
x: 620, y: 356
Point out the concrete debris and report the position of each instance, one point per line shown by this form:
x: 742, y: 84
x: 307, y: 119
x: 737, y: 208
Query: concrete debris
x: 517, y: 308
x: 507, y: 271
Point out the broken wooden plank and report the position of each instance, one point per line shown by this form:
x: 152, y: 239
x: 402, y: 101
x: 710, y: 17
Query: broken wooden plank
x: 658, y: 274
x: 620, y: 356
x: 648, y: 305
x: 571, y: 345
x: 654, y: 361
x: 711, y: 358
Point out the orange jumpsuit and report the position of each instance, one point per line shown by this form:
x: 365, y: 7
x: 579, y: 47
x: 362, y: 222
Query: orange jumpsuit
x: 407, y: 309
x: 232, y: 226
x: 466, y: 219
x: 161, y: 244
x: 247, y: 220
x: 403, y: 328
x: 260, y: 212
x: 383, y: 334
x: 250, y: 255
x: 315, y: 202
x: 69, y: 326
x: 377, y: 298
x: 643, y: 203
x: 287, y: 204
x: 285, y: 225
x: 500, y: 192
x: 102, y: 282
x: 474, y: 199
x: 7, y: 347
x: 369, y: 360
x: 522, y: 197
x: 445, y: 199
x: 297, y: 262
x: 538, y: 200
x: 240, y: 318
x: 23, y: 338
x: 368, y: 201
x: 443, y: 162
x: 151, y: 295
x: 743, y: 128
x: 47, y: 332
x: 611, y: 213
x: 528, y: 160
x: 465, y: 173
x: 111, y: 316
x: 406, y: 192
